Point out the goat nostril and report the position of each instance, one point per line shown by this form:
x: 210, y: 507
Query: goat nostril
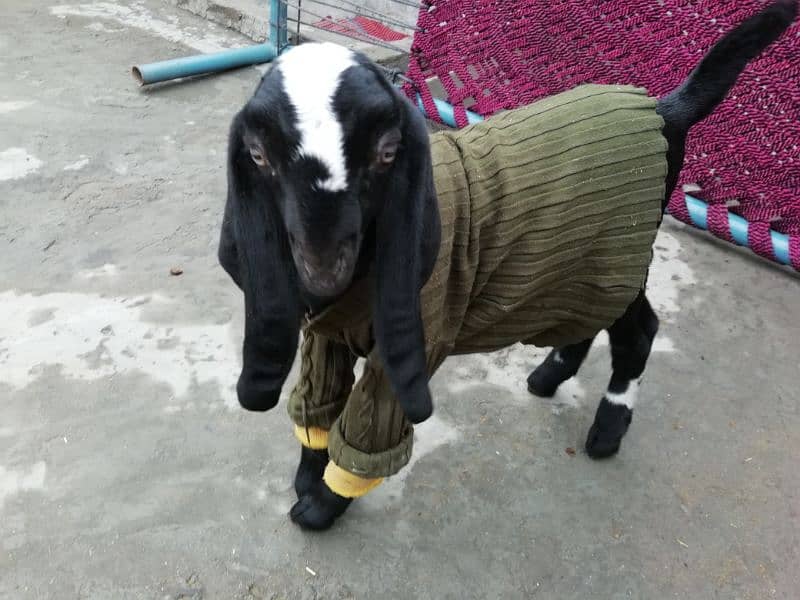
x: 313, y: 261
x: 306, y: 268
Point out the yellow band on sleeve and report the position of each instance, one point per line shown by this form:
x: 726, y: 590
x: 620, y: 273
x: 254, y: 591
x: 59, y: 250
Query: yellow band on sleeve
x: 346, y: 484
x: 312, y: 437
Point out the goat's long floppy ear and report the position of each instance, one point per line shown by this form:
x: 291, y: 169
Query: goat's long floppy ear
x: 408, y: 233
x: 227, y: 252
x: 266, y: 276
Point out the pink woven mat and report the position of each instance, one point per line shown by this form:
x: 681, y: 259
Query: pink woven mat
x: 498, y: 54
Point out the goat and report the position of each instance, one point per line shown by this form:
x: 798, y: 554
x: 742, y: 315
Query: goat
x: 345, y: 219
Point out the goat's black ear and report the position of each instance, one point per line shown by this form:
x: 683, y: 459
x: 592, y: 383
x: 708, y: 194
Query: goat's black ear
x: 408, y: 232
x: 227, y: 252
x: 254, y: 237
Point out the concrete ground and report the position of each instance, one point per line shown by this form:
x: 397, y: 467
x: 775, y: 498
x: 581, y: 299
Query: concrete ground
x: 128, y: 471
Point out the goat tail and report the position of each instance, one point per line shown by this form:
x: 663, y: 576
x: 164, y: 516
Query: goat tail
x: 711, y: 80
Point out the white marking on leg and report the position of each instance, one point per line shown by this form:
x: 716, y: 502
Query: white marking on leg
x: 557, y: 358
x: 311, y: 74
x: 626, y: 398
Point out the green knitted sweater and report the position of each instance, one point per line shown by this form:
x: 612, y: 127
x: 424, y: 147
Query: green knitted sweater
x: 549, y: 213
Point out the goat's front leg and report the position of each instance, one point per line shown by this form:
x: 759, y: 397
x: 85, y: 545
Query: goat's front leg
x: 370, y: 440
x: 326, y: 380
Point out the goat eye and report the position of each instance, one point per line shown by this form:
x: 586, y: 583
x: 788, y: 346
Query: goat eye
x: 386, y: 149
x: 387, y: 156
x: 258, y: 157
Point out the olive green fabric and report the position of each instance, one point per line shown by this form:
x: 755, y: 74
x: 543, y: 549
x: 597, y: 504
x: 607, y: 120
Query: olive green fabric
x: 368, y: 432
x: 549, y: 213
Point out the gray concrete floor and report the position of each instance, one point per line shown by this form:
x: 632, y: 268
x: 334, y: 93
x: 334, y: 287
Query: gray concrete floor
x: 128, y: 471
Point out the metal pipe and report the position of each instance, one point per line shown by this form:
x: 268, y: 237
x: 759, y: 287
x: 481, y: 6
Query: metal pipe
x: 278, y: 34
x: 297, y: 32
x: 187, y: 66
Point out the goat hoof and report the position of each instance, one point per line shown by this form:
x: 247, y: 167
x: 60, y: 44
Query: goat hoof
x: 319, y: 509
x: 609, y: 427
x: 600, y: 444
x: 255, y: 396
x: 310, y: 470
x: 546, y: 378
x: 542, y: 384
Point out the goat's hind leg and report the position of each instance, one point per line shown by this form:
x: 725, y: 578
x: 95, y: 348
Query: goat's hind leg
x: 631, y: 338
x: 561, y: 364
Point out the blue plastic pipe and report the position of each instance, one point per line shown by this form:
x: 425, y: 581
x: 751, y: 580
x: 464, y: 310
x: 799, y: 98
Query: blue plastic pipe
x: 176, y: 68
x: 698, y: 213
x: 446, y: 112
x: 187, y: 66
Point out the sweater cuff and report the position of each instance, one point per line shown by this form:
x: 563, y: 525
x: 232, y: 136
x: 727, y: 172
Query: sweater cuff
x: 311, y: 437
x: 346, y: 484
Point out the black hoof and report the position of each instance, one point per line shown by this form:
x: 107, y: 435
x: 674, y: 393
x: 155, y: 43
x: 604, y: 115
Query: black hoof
x: 610, y: 426
x: 319, y: 509
x: 310, y: 470
x: 546, y: 378
x: 255, y: 395
x: 601, y: 444
x: 541, y: 384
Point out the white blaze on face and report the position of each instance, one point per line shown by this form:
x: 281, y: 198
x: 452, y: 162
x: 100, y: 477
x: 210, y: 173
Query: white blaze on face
x: 311, y: 74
